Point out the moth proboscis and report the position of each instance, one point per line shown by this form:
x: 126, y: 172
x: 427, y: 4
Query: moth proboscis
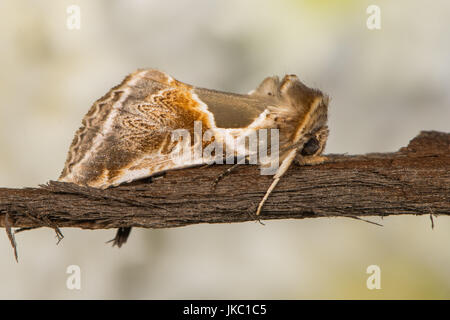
x: 128, y: 133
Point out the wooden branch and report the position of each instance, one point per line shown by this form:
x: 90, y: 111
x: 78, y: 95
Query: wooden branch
x: 414, y: 180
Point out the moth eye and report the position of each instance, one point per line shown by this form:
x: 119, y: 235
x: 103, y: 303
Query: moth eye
x: 310, y: 147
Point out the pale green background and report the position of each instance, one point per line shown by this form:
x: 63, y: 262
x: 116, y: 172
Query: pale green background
x: 385, y: 87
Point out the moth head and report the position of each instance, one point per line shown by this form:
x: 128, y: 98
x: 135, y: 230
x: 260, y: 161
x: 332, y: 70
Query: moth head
x: 303, y: 112
x: 309, y: 109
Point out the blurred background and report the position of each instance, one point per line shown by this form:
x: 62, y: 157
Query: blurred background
x: 385, y: 86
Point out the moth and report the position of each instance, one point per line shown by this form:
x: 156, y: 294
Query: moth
x: 128, y: 133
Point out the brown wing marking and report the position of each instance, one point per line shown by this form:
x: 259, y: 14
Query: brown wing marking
x: 126, y: 132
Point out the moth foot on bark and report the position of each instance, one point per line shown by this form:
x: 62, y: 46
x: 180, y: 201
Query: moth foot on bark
x: 310, y: 161
x: 251, y: 211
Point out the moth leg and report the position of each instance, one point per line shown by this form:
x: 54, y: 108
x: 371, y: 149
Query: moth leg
x: 310, y: 161
x: 207, y: 165
x: 276, y: 178
x: 223, y: 175
x: 228, y: 171
x: 159, y: 175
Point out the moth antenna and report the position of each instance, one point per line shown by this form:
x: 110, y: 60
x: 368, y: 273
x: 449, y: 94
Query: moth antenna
x: 266, y: 196
x: 280, y: 172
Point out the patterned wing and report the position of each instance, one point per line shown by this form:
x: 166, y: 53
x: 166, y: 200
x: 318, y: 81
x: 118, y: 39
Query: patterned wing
x: 126, y: 135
